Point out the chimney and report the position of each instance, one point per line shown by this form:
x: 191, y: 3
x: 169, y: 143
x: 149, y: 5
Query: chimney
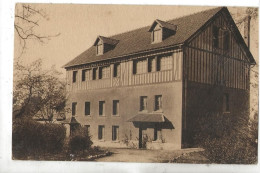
x: 247, y: 30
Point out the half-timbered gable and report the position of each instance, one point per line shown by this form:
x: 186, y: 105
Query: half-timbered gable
x: 216, y: 55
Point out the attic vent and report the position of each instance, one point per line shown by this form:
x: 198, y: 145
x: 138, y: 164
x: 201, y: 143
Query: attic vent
x: 104, y: 44
x: 161, y: 30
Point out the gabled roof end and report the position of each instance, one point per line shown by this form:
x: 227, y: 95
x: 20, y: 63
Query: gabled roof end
x: 163, y: 25
x: 106, y: 40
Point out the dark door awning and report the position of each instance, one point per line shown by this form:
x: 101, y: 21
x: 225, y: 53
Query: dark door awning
x: 148, y: 117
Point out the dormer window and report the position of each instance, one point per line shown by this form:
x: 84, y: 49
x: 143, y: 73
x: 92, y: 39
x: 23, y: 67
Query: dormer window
x: 221, y: 38
x: 161, y: 30
x: 104, y: 44
x: 100, y: 49
x: 157, y: 35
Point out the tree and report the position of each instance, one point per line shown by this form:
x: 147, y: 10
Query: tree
x: 239, y: 15
x: 37, y: 92
x: 27, y: 19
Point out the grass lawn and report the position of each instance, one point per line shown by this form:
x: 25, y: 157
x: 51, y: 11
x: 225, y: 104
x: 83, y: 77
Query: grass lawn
x: 65, y: 155
x: 193, y: 157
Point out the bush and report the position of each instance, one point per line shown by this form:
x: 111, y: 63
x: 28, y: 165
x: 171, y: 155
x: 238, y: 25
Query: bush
x: 80, y: 140
x: 229, y: 140
x: 31, y: 138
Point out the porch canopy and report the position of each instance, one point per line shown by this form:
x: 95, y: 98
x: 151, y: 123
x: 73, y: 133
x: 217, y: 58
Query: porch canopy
x: 148, y: 117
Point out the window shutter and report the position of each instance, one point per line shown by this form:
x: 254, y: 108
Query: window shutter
x: 100, y: 73
x: 226, y: 40
x: 134, y: 66
x: 74, y: 76
x: 83, y: 75
x: 87, y: 108
x: 158, y: 64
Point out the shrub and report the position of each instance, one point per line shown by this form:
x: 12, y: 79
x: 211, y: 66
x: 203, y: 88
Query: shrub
x: 228, y: 140
x: 80, y: 140
x: 31, y: 138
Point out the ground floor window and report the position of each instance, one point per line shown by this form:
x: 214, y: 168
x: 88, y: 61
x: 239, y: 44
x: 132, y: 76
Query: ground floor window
x: 158, y: 103
x: 74, y: 107
x: 143, y: 103
x: 87, y: 108
x: 101, y: 108
x: 115, y: 107
x: 115, y: 132
x: 87, y: 128
x: 101, y: 130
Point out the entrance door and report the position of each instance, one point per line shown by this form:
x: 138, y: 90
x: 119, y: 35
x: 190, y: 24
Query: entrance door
x: 140, y: 137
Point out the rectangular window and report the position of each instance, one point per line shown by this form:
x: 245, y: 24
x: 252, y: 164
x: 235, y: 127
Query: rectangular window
x: 157, y: 35
x: 86, y: 74
x: 101, y: 108
x: 104, y: 72
x: 216, y: 36
x: 101, y: 132
x: 74, y: 107
x: 139, y: 66
x: 94, y: 74
x: 100, y: 73
x: 115, y: 107
x: 158, y: 64
x: 87, y: 128
x: 116, y: 70
x: 74, y: 76
x: 226, y: 40
x: 87, y: 108
x: 134, y: 66
x: 99, y: 49
x: 165, y: 63
x: 158, y: 103
x: 115, y: 133
x: 151, y: 64
x: 83, y: 76
x: 143, y: 103
x: 226, y: 103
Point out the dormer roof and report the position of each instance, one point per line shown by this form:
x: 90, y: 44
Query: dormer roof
x: 163, y: 24
x: 106, y: 40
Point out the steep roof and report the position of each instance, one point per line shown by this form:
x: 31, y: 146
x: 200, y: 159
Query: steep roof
x: 139, y: 40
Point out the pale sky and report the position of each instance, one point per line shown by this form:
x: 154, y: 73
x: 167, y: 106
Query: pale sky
x: 79, y: 25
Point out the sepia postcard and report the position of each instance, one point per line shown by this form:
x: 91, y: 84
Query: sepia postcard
x: 135, y: 83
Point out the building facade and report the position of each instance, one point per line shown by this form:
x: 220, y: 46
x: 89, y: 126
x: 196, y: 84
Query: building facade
x: 144, y: 88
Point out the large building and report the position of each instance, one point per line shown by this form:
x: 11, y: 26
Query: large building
x: 146, y: 87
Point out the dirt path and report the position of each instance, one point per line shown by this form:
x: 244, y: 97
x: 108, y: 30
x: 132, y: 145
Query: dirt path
x: 136, y: 155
